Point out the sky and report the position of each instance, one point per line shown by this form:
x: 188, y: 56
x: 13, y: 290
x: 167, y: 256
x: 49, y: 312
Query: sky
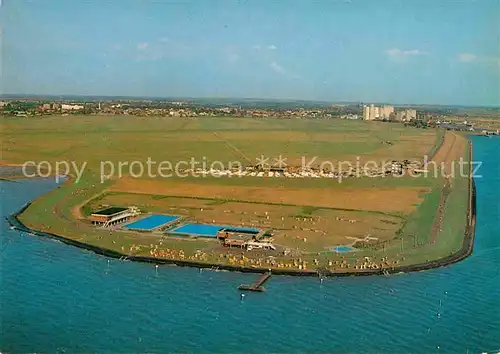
x: 393, y: 51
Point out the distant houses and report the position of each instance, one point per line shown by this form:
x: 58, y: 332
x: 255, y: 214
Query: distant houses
x: 59, y: 107
x: 71, y: 107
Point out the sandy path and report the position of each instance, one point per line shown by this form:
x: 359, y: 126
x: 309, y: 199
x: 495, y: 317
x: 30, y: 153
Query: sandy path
x: 450, y: 152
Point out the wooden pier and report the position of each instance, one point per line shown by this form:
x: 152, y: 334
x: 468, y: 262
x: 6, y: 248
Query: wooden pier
x: 257, y: 285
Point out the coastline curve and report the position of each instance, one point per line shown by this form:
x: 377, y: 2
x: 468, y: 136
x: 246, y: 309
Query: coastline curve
x: 462, y: 253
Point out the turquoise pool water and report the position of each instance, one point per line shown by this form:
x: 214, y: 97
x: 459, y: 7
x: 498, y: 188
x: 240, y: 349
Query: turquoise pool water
x: 343, y: 249
x: 206, y: 230
x: 56, y: 298
x: 209, y: 230
x: 151, y: 222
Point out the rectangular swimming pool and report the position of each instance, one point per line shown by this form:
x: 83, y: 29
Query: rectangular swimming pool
x: 151, y: 222
x: 209, y: 230
x: 198, y: 230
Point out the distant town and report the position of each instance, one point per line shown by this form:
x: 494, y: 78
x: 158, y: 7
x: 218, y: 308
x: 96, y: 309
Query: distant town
x: 452, y: 118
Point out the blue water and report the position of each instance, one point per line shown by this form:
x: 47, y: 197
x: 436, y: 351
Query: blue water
x: 198, y: 229
x: 151, y: 222
x: 210, y: 230
x: 343, y: 249
x: 54, y: 297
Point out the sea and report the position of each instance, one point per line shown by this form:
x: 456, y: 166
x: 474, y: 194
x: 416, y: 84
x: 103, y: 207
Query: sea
x: 57, y: 298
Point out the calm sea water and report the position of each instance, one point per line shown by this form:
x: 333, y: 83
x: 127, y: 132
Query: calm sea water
x: 55, y: 298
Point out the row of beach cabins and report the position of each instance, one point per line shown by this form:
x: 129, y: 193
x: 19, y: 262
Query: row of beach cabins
x: 350, y: 172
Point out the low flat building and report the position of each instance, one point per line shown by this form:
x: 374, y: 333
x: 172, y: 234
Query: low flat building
x: 71, y: 107
x: 111, y: 216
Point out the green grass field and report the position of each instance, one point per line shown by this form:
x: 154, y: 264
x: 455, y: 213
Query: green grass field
x: 94, y: 139
x: 402, y: 225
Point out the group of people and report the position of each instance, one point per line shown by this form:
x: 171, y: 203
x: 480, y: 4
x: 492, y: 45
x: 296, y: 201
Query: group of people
x: 295, y: 263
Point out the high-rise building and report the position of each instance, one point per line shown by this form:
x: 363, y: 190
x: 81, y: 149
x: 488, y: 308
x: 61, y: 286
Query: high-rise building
x: 372, y: 111
x: 386, y: 111
x: 406, y: 115
x: 366, y: 112
x: 411, y: 114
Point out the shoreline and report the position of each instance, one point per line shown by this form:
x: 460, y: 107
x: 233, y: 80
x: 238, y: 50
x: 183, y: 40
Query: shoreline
x: 462, y: 253
x: 12, y: 172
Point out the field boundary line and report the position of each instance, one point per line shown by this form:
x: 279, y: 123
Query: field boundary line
x: 232, y: 147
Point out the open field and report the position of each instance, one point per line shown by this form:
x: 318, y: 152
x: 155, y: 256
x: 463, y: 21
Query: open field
x: 403, y: 200
x: 397, y: 213
x: 97, y: 138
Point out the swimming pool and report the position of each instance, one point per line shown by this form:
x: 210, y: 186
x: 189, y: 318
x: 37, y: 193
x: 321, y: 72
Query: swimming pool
x: 205, y: 230
x: 209, y: 230
x: 151, y: 222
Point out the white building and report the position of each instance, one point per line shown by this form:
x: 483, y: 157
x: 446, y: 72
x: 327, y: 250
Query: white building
x: 366, y: 112
x: 71, y: 107
x: 406, y: 115
x: 373, y: 112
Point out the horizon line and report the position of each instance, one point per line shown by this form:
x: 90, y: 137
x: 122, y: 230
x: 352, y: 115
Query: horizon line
x: 61, y: 96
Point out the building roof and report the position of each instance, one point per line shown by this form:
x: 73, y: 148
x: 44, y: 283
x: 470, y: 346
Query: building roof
x: 110, y: 211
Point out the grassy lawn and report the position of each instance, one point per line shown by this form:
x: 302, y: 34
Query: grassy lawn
x: 94, y: 139
x: 439, y: 139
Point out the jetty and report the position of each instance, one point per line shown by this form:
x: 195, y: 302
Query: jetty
x: 257, y: 285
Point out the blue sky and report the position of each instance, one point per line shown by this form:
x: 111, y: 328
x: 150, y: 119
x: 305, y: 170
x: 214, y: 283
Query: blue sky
x: 399, y: 51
